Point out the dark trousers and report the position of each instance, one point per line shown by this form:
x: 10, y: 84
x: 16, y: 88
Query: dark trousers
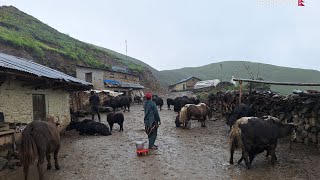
x: 95, y: 110
x: 152, y: 137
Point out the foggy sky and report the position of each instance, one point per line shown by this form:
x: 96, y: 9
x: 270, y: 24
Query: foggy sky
x: 170, y: 34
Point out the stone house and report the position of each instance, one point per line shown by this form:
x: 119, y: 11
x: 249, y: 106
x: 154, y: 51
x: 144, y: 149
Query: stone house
x: 30, y: 91
x: 184, y: 84
x: 116, y: 79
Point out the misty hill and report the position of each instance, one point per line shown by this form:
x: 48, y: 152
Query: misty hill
x: 225, y: 70
x: 25, y: 36
x: 155, y: 72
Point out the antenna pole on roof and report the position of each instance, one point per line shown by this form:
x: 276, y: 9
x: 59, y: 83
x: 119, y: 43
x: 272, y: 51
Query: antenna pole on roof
x: 221, y: 72
x: 126, y: 50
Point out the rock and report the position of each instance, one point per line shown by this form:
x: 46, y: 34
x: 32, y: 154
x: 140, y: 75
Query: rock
x: 296, y: 120
x: 314, y: 129
x: 307, y: 126
x: 305, y: 109
x: 312, y: 121
x: 304, y: 134
x: 3, y: 163
x: 314, y: 139
x: 300, y: 127
x: 299, y: 139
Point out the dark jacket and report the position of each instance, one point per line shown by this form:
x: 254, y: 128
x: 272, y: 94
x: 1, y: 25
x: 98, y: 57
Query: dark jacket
x: 94, y: 100
x: 151, y: 114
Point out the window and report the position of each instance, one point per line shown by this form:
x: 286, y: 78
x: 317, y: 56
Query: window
x: 88, y: 77
x: 39, y: 106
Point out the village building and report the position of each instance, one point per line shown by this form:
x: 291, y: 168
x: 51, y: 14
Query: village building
x: 30, y: 91
x: 184, y: 84
x: 117, y: 79
x: 208, y: 85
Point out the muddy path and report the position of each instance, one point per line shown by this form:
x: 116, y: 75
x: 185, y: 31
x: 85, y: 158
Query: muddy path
x: 198, y: 153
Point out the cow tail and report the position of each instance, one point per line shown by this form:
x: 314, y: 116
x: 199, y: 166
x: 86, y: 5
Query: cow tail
x: 235, y: 138
x: 183, y: 115
x: 28, y: 148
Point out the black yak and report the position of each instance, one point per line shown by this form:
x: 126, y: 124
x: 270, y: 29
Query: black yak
x: 115, y: 118
x: 90, y: 127
x: 254, y: 135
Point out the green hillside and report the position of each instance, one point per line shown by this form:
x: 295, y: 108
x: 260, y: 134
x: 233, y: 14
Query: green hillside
x: 237, y: 69
x: 24, y: 32
x: 155, y: 72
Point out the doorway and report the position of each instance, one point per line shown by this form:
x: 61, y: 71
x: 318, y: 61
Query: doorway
x: 39, y: 107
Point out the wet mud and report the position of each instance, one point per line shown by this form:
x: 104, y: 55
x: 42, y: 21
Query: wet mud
x: 197, y: 153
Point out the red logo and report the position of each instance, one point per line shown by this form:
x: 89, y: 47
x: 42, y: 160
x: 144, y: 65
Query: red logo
x: 300, y: 2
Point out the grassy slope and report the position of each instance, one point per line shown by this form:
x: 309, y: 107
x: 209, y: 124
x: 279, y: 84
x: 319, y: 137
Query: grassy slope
x: 155, y: 72
x: 237, y: 69
x: 24, y: 32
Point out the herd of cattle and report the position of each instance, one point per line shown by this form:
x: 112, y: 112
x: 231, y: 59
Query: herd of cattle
x: 252, y: 135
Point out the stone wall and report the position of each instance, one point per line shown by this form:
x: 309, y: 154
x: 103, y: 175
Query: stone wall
x: 123, y: 77
x: 302, y: 109
x: 188, y: 85
x: 178, y: 87
x: 97, y: 76
x: 16, y: 103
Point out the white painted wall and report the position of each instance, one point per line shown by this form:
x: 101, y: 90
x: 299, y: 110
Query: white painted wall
x: 16, y: 103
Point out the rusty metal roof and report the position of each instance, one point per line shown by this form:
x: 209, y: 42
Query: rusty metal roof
x: 28, y: 66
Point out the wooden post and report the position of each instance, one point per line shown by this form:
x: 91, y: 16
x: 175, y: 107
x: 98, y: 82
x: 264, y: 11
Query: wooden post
x: 240, y: 93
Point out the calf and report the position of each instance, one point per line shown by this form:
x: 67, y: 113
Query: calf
x: 254, y: 135
x: 170, y: 102
x: 115, y: 118
x: 90, y: 127
x: 158, y: 101
x: 137, y: 99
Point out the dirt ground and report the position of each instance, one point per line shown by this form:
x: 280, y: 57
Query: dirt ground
x: 198, y: 153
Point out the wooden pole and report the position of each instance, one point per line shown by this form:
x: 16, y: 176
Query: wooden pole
x: 240, y: 93
x: 277, y: 83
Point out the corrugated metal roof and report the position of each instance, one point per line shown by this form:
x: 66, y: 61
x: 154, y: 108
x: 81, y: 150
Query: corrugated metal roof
x: 131, y: 85
x: 28, y: 66
x: 123, y: 84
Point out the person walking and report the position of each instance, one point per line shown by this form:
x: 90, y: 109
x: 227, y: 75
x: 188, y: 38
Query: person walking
x: 94, y: 103
x: 151, y: 120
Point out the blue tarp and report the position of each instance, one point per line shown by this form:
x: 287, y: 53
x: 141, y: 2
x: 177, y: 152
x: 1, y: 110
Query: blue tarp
x: 114, y: 82
x: 123, y: 84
